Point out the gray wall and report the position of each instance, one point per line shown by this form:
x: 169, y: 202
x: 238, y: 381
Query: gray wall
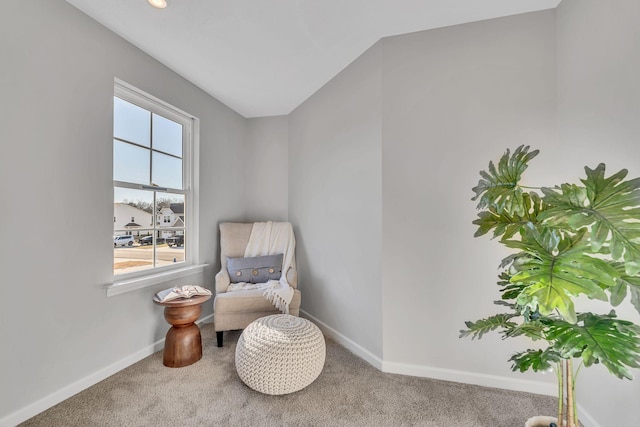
x: 599, y: 121
x: 382, y: 160
x: 454, y: 98
x: 335, y: 201
x: 265, y: 171
x: 57, y: 325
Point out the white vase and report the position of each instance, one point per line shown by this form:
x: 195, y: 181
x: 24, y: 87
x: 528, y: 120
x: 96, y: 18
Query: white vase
x: 540, y: 421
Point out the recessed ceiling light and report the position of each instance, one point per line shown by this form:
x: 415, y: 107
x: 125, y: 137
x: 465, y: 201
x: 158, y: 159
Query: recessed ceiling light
x: 160, y: 4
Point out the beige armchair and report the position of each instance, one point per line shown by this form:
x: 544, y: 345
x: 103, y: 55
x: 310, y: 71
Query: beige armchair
x: 237, y: 309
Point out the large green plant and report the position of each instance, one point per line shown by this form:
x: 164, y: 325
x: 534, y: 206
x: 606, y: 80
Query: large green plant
x: 569, y: 240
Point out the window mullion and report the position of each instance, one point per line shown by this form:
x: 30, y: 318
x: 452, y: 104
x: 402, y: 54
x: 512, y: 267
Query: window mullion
x: 155, y: 226
x: 151, y: 149
x: 135, y: 186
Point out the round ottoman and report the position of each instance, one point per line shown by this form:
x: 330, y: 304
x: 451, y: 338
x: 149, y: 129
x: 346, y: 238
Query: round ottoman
x: 280, y: 354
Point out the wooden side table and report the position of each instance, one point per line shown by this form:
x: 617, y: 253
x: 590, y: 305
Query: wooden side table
x: 183, y: 344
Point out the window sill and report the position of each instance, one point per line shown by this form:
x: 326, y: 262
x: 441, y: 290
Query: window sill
x: 128, y: 285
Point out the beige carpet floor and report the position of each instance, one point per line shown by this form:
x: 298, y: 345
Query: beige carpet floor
x: 349, y: 392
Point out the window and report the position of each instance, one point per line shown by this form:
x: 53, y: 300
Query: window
x: 153, y: 170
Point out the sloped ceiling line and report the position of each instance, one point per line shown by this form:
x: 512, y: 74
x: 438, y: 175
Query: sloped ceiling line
x: 265, y: 57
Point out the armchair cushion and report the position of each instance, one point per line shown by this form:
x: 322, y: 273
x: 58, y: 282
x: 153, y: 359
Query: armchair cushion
x: 249, y: 301
x: 258, y: 269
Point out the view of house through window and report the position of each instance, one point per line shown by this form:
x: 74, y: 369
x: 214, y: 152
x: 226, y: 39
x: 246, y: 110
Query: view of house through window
x: 150, y: 189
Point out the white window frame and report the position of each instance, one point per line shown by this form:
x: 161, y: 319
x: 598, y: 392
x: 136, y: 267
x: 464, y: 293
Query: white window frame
x: 140, y: 279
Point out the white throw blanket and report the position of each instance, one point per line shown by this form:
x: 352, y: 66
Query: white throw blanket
x: 271, y: 238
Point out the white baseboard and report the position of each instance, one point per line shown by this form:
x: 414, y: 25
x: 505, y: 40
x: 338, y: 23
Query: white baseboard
x: 66, y: 392
x: 484, y: 380
x: 586, y: 419
x: 347, y: 343
x: 474, y: 378
x: 453, y: 375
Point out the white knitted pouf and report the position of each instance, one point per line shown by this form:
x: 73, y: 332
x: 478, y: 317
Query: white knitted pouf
x: 280, y: 354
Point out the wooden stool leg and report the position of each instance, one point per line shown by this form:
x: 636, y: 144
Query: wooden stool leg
x: 183, y: 346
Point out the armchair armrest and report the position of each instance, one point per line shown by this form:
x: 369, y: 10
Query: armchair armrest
x: 222, y: 281
x: 292, y: 277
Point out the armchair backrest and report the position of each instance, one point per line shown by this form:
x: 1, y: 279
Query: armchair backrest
x: 234, y: 237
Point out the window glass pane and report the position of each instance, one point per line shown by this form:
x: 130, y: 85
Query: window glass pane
x: 132, y: 209
x: 133, y: 222
x: 173, y: 251
x: 129, y: 254
x: 130, y: 163
x: 170, y: 211
x: 170, y: 217
x: 131, y: 122
x: 167, y: 135
x: 167, y: 171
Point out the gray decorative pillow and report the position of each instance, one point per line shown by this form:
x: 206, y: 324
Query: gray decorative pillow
x: 258, y: 269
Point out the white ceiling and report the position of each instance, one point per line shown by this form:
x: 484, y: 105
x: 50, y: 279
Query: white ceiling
x: 265, y: 57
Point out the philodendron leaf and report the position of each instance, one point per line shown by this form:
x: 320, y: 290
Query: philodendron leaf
x: 506, y: 225
x: 635, y: 298
x: 624, y: 282
x: 505, y: 304
x: 609, y: 207
x: 479, y: 328
x: 533, y: 330
x: 557, y: 270
x: 548, y: 297
x: 618, y: 293
x: 509, y: 291
x: 537, y: 360
x: 598, y: 339
x: 499, y: 187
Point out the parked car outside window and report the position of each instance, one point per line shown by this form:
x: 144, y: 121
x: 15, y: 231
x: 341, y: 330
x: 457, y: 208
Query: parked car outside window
x: 148, y: 240
x: 122, y: 241
x: 177, y: 240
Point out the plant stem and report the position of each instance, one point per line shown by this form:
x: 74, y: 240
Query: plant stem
x: 560, y: 375
x: 573, y: 392
x: 570, y: 399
